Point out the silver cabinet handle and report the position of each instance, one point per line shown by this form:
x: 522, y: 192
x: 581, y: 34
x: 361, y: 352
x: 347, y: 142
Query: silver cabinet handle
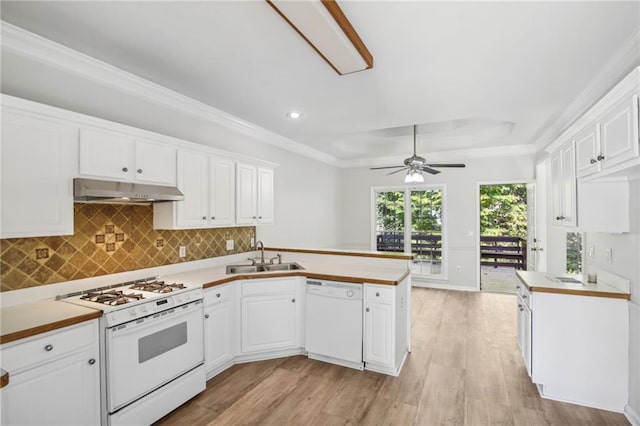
x: 521, y: 309
x: 213, y: 218
x: 377, y: 294
x: 534, y: 249
x: 139, y: 170
x: 293, y: 300
x: 125, y: 169
x: 92, y: 361
x: 204, y: 218
x: 518, y: 287
x: 600, y: 157
x: 206, y: 315
x: 367, y: 309
x: 593, y: 161
x: 524, y: 296
x: 259, y: 217
x: 48, y: 348
x: 217, y: 294
x: 253, y: 217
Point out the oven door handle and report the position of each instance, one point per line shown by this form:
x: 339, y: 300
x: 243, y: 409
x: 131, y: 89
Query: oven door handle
x: 153, y: 320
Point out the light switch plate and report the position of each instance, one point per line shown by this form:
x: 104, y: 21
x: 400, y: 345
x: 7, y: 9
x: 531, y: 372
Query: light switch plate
x: 182, y: 251
x: 608, y: 254
x: 253, y: 242
x: 230, y: 244
x: 590, y: 250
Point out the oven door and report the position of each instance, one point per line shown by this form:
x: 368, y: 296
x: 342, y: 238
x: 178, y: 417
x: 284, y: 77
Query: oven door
x: 146, y: 353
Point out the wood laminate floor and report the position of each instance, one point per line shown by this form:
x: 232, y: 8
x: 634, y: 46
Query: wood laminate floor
x: 465, y: 369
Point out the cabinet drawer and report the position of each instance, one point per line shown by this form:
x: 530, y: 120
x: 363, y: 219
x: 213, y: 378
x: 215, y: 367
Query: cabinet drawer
x: 215, y: 295
x: 255, y: 287
x: 378, y: 293
x: 30, y: 352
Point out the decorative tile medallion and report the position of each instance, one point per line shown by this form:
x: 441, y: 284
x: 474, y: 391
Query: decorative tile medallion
x: 108, y: 239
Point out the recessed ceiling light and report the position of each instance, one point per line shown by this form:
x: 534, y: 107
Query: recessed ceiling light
x: 293, y: 114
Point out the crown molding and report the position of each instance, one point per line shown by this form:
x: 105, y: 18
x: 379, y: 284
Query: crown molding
x: 457, y: 155
x: 45, y: 51
x: 621, y: 63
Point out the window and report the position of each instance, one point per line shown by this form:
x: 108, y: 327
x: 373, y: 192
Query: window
x: 574, y: 252
x: 410, y: 220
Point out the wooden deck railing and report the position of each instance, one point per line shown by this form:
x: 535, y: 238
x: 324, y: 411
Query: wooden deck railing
x: 494, y: 251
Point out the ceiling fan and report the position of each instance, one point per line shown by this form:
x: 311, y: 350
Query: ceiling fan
x: 416, y: 165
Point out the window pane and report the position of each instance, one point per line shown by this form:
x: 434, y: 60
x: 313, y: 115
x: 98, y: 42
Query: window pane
x: 390, y: 221
x: 426, y: 231
x: 574, y: 252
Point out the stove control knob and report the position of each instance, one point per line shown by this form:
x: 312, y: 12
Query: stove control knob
x: 349, y: 293
x: 133, y: 312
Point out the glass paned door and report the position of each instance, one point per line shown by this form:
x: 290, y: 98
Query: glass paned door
x: 426, y: 231
x: 390, y: 212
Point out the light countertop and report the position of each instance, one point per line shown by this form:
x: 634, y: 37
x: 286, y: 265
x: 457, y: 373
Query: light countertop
x: 29, y: 319
x: 210, y: 277
x: 542, y: 282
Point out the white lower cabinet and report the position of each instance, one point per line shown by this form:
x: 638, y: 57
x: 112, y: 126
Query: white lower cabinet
x: 271, y: 315
x: 575, y: 347
x: 220, y: 328
x: 54, y: 378
x: 385, y: 334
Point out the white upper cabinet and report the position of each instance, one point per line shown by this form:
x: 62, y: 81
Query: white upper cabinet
x: 222, y: 196
x: 38, y: 165
x: 110, y: 155
x: 265, y: 195
x: 588, y: 150
x: 207, y: 183
x: 620, y: 133
x: 255, y: 190
x: 563, y: 185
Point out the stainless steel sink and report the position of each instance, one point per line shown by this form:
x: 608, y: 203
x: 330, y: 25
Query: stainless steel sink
x: 283, y: 267
x: 248, y: 269
x: 568, y: 280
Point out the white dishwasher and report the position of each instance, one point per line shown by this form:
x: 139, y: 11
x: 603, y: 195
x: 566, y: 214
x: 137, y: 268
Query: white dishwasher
x: 334, y: 322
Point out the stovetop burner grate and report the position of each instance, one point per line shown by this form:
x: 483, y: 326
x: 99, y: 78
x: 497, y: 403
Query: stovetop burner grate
x: 111, y: 297
x: 157, y: 287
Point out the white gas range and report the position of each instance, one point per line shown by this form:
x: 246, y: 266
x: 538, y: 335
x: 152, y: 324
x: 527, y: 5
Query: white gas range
x: 151, y: 347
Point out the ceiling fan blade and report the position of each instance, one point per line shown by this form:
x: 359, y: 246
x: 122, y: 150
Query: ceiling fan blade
x: 445, y: 165
x: 429, y: 170
x: 398, y: 171
x: 387, y: 167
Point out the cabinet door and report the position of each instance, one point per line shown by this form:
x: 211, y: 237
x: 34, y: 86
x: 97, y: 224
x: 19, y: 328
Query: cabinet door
x: 556, y: 187
x: 588, y: 150
x: 378, y: 326
x: 63, y: 392
x: 268, y: 322
x: 218, y: 332
x: 222, y: 208
x: 246, y: 198
x: 193, y: 174
x: 569, y: 185
x: 265, y: 195
x: 38, y: 165
x: 106, y: 155
x: 155, y: 163
x: 620, y: 133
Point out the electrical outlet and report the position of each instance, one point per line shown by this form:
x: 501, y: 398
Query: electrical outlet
x: 253, y: 242
x: 230, y: 244
x: 182, y: 251
x: 608, y: 254
x: 590, y: 250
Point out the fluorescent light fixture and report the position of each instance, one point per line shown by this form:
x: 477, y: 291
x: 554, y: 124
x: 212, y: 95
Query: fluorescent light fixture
x: 414, y: 176
x: 325, y: 27
x: 293, y: 114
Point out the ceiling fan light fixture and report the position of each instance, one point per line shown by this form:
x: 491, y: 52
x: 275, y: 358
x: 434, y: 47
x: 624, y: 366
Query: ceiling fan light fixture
x: 414, y: 176
x: 325, y: 27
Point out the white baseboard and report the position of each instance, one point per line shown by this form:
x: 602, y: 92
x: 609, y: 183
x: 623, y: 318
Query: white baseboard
x: 423, y: 284
x: 631, y: 415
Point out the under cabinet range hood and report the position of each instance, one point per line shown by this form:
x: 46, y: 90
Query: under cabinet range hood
x: 107, y: 192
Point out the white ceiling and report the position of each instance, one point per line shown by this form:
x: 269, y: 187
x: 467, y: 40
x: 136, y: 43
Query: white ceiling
x: 472, y: 75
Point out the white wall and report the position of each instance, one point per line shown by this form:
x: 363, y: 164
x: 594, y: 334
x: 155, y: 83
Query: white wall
x: 461, y: 215
x: 626, y: 263
x: 305, y: 189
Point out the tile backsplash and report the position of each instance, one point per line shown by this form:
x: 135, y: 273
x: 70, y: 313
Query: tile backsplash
x: 107, y: 239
